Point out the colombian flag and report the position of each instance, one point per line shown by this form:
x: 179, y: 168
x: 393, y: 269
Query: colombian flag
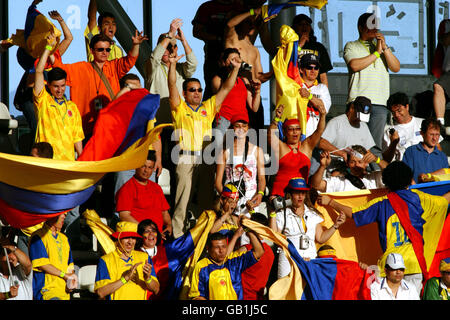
x: 272, y: 10
x: 174, y: 261
x: 288, y: 80
x: 33, y: 39
x: 33, y: 190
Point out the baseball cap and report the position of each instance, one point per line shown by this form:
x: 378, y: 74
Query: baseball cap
x: 230, y: 191
x: 239, y: 117
x: 309, y: 59
x: 395, y: 261
x: 363, y: 107
x: 126, y: 229
x: 298, y: 183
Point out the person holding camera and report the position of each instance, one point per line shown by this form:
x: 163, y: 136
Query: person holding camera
x: 245, y: 92
x: 297, y: 219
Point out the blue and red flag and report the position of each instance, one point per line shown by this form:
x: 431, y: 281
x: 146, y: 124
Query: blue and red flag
x: 33, y: 190
x: 272, y: 10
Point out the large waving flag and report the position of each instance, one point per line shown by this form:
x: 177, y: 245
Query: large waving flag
x: 288, y: 80
x: 317, y: 279
x: 351, y: 242
x: 272, y: 10
x: 33, y: 39
x: 174, y: 261
x: 33, y: 190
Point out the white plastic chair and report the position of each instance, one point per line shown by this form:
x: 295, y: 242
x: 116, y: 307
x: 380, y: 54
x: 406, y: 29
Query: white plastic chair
x: 164, y: 181
x: 86, y: 277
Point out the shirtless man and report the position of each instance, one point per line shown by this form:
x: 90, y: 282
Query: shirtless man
x: 239, y: 32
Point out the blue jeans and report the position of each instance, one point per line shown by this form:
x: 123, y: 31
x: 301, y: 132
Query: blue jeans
x: 378, y: 118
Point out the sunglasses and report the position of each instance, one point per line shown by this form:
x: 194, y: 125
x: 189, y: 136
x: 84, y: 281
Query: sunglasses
x: 312, y: 68
x: 170, y: 46
x: 195, y: 90
x: 102, y: 49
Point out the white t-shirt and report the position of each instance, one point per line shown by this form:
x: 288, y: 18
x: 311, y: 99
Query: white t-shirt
x: 371, y: 180
x: 340, y: 133
x: 25, y: 291
x: 409, y: 134
x: 379, y: 290
x: 321, y: 92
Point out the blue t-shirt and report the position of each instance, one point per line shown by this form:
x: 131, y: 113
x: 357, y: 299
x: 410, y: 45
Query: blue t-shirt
x: 420, y: 161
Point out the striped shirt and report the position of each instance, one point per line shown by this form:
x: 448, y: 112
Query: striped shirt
x: 371, y: 82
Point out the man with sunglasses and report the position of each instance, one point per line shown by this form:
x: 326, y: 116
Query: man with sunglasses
x: 393, y: 286
x: 95, y: 84
x: 369, y: 60
x: 192, y: 119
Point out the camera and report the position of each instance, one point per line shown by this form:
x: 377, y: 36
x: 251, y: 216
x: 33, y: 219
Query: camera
x: 245, y: 67
x: 391, y: 131
x: 304, y: 242
x: 281, y: 203
x: 98, y: 104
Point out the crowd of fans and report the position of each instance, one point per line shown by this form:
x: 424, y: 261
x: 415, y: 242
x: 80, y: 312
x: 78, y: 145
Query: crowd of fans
x: 361, y: 149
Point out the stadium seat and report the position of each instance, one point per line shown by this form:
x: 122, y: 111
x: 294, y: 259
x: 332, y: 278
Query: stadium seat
x: 94, y: 238
x: 164, y: 181
x: 86, y: 277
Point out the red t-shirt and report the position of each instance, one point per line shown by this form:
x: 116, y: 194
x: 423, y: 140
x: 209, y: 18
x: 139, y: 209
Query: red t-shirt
x: 254, y: 279
x: 235, y: 102
x: 144, y: 202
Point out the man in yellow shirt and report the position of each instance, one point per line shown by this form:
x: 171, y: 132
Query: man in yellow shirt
x: 106, y: 25
x: 58, y: 119
x: 192, y: 119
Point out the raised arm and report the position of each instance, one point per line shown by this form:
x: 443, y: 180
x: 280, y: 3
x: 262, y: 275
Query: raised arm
x: 272, y: 137
x: 137, y: 40
x: 313, y: 140
x: 228, y: 84
x: 64, y: 45
x: 316, y: 180
x: 174, y: 95
x: 39, y: 83
x: 92, y: 14
x: 325, y: 200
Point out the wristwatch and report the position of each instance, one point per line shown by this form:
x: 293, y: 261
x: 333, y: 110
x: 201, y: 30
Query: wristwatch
x: 168, y: 36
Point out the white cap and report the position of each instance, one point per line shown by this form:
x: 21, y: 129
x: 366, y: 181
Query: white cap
x: 395, y: 261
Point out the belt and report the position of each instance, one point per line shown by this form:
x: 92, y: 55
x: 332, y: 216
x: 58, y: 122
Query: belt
x: 191, y: 153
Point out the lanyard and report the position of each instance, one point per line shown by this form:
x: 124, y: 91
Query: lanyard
x: 368, y: 49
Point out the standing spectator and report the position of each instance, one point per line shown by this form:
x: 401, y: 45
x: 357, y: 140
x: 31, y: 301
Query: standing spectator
x: 406, y: 128
x: 208, y: 25
x: 140, y: 199
x: 355, y: 177
x: 243, y: 166
x: 218, y: 276
x: 308, y: 44
x: 53, y: 268
x: 393, y: 286
x: 106, y: 24
x: 425, y: 157
x: 244, y: 92
x: 294, y: 156
x: 192, y: 120
x: 438, y: 288
x: 422, y: 207
x: 301, y: 224
x: 59, y: 122
x: 125, y: 274
x: 369, y: 60
x: 94, y: 84
x: 18, y: 285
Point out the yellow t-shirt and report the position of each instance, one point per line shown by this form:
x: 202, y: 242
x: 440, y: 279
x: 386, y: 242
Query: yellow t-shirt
x: 116, y: 51
x: 193, y: 125
x: 58, y: 124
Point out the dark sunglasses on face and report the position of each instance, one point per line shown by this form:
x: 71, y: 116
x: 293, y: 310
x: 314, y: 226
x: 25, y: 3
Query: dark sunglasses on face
x: 195, y: 89
x: 102, y: 49
x: 312, y: 68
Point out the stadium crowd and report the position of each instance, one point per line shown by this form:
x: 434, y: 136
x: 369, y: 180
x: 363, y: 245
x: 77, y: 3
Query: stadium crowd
x: 378, y: 142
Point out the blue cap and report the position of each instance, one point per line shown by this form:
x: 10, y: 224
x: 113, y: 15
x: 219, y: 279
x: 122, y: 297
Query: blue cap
x: 298, y: 183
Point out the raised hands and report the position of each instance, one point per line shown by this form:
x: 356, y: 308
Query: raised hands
x: 138, y: 38
x: 55, y: 15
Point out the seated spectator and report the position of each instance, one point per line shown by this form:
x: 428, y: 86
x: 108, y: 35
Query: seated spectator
x: 125, y: 274
x: 308, y: 44
x: 438, y: 288
x: 94, y: 85
x: 61, y: 125
x: 218, y: 276
x: 53, y: 267
x: 300, y: 223
x: 16, y: 285
x: 393, y: 286
x: 397, y: 177
x: 425, y: 156
x: 294, y: 155
x: 405, y: 131
x: 245, y: 92
x: 349, y: 129
x: 355, y: 178
x: 245, y: 168
x: 140, y: 199
x: 105, y: 24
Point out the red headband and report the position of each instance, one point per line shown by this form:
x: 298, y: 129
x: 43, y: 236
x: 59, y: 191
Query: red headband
x: 290, y: 122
